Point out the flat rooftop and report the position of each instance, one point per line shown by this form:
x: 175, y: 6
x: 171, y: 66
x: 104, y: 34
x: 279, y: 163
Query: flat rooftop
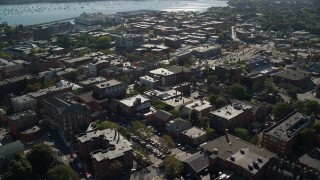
x: 113, y: 137
x: 93, y: 80
x: 131, y: 100
x: 199, y: 105
x: 194, y: 132
x: 230, y: 111
x: 109, y: 83
x: 293, y: 75
x: 289, y: 126
x: 224, y: 148
x: 161, y: 72
x: 22, y: 115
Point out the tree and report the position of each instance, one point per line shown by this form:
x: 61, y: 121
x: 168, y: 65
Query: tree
x: 238, y: 92
x: 308, y: 136
x: 293, y: 91
x: 140, y: 129
x: 280, y: 110
x: 299, y: 105
x: 175, y: 112
x: 211, y: 79
x: 19, y: 168
x: 115, y: 168
x: 194, y: 117
x: 204, y: 122
x: 103, y: 42
x: 220, y: 102
x: 101, y: 125
x: 125, y: 132
x: 269, y: 85
x: 317, y: 127
x: 210, y: 132
x: 212, y: 99
x: 173, y: 167
x: 241, y: 133
x: 62, y: 172
x: 312, y: 106
x: 167, y: 142
x: 40, y: 158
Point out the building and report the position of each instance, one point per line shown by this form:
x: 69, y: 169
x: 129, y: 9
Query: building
x: 196, y: 164
x: 194, y: 136
x: 89, y: 83
x: 76, y: 62
x: 166, y: 77
x: 234, y: 154
x: 96, y: 66
x: 202, y: 108
x: 135, y: 104
x: 177, y: 126
x: 183, y: 74
x: 296, y: 78
x: 207, y: 51
x: 109, y: 89
x: 281, y: 137
x: 129, y: 42
x: 230, y: 117
x: 103, y: 147
x: 40, y: 33
x: 8, y: 153
x: 159, y: 118
x: 91, y: 19
x: 149, y: 81
x: 24, y: 102
x: 21, y: 125
x: 66, y: 115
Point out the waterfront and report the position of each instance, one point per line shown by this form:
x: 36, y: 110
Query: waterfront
x: 28, y: 14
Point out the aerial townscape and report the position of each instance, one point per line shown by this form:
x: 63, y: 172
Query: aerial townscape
x: 230, y: 92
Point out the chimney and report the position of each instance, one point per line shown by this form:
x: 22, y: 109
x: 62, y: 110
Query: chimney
x: 226, y: 134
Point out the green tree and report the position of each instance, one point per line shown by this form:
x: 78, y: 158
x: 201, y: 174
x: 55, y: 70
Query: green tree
x: 220, y: 102
x: 173, y: 167
x: 40, y: 158
x: 308, y: 136
x: 194, y: 117
x: 175, y: 112
x: 212, y: 99
x: 19, y: 168
x: 293, y: 91
x: 210, y: 132
x: 317, y: 127
x: 115, y: 168
x: 204, y: 122
x: 101, y: 125
x: 238, y: 92
x: 299, y: 105
x: 269, y: 85
x: 103, y: 42
x: 312, y: 106
x: 61, y: 172
x: 167, y: 142
x: 280, y: 110
x: 141, y: 129
x: 241, y: 133
x: 211, y: 79
x: 125, y: 132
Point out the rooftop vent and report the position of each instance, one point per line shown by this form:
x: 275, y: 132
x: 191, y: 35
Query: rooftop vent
x: 232, y: 158
x: 242, y: 151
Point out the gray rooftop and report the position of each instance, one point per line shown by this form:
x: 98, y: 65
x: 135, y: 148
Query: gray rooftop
x: 22, y: 115
x: 230, y: 111
x: 197, y: 161
x: 109, y: 83
x: 194, y: 132
x: 293, y: 75
x: 224, y: 148
x: 289, y: 126
x: 115, y: 138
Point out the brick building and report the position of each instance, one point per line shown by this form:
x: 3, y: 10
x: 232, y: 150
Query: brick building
x: 135, y: 104
x: 194, y: 136
x: 66, y: 115
x: 231, y: 116
x: 102, y: 147
x: 281, y: 137
x: 108, y: 89
x: 21, y: 122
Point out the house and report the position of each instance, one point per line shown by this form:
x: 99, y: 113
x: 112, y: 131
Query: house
x: 196, y: 164
x: 159, y: 118
x: 194, y: 136
x: 296, y: 78
x: 177, y: 126
x: 135, y: 104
